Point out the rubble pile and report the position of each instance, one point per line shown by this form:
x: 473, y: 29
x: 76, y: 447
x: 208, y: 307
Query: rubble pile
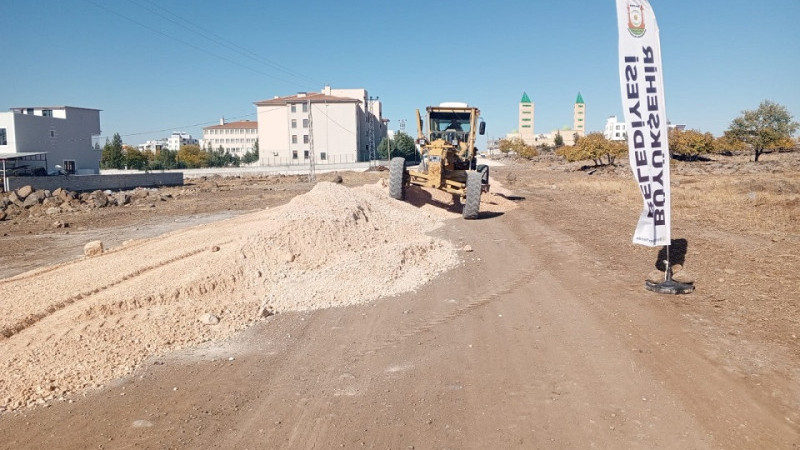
x: 26, y: 201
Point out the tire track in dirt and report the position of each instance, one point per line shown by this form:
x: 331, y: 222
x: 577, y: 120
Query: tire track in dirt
x: 518, y: 281
x: 34, y: 318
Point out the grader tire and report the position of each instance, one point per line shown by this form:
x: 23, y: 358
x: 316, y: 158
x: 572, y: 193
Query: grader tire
x: 473, y: 192
x: 397, y: 175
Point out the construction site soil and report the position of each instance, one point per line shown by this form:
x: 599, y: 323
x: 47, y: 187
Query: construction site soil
x: 277, y: 313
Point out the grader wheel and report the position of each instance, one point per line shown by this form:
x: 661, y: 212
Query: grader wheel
x: 397, y: 176
x: 473, y: 193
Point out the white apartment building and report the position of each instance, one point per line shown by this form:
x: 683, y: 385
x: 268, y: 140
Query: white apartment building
x: 615, y: 130
x: 178, y: 139
x: 153, y: 145
x: 339, y: 123
x: 51, y: 135
x: 236, y: 138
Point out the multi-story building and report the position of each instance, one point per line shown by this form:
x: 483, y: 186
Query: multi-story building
x: 338, y: 125
x: 615, y: 130
x: 178, y: 139
x: 51, y: 135
x: 153, y: 145
x: 235, y: 138
x: 618, y: 131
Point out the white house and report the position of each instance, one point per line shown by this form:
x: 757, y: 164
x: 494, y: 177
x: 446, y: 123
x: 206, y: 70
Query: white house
x: 340, y: 123
x: 60, y: 135
x: 615, y: 131
x: 178, y: 139
x: 153, y: 145
x: 236, y: 138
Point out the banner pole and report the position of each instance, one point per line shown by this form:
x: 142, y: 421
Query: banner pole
x: 643, y: 105
x: 668, y: 267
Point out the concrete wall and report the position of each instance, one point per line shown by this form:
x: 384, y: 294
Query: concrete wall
x: 278, y: 168
x: 99, y: 182
x: 334, y: 133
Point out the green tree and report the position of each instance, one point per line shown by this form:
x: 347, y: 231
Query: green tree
x: 192, y: 156
x: 404, y: 146
x: 134, y: 159
x: 558, y: 140
x: 251, y: 156
x: 112, y: 156
x: 690, y: 143
x: 401, y: 145
x: 725, y: 143
x: 382, y: 147
x: 517, y: 146
x: 164, y: 159
x: 594, y: 147
x: 763, y: 128
x: 221, y: 158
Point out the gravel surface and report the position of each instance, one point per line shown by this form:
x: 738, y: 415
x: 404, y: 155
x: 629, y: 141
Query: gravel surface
x: 72, y: 327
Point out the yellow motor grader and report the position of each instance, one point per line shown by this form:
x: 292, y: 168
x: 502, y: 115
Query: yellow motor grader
x: 448, y: 153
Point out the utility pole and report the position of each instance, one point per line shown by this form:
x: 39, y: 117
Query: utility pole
x: 388, y: 143
x: 373, y: 153
x: 312, y: 169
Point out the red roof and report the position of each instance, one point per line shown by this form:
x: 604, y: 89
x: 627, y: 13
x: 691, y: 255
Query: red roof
x: 304, y: 97
x: 237, y: 125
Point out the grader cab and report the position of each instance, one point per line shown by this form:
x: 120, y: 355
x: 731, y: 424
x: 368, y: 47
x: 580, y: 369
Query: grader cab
x: 448, y: 153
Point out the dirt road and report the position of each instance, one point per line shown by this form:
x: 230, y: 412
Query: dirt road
x: 544, y: 338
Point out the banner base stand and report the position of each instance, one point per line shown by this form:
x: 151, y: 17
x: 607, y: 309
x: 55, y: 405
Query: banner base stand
x: 668, y: 286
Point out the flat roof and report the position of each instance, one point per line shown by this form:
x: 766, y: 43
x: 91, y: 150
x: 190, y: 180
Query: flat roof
x: 52, y: 107
x: 15, y: 155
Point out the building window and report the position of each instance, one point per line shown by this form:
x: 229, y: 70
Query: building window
x: 294, y: 107
x: 29, y: 111
x: 323, y: 155
x: 3, y: 137
x: 305, y: 154
x: 47, y: 113
x: 526, y: 120
x: 305, y: 139
x: 294, y: 139
x: 526, y: 126
x: 52, y: 133
x: 305, y: 107
x: 294, y: 154
x: 305, y: 123
x: 294, y: 123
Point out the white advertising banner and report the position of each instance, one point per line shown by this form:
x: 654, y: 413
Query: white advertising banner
x: 642, y: 88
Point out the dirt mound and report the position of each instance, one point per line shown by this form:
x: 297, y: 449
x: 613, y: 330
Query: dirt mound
x: 333, y: 233
x: 75, y: 326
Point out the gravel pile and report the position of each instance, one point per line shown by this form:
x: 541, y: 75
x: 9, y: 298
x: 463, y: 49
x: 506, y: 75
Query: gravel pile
x: 73, y: 327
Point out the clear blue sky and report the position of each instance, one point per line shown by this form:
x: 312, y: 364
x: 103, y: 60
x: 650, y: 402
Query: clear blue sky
x: 155, y: 67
